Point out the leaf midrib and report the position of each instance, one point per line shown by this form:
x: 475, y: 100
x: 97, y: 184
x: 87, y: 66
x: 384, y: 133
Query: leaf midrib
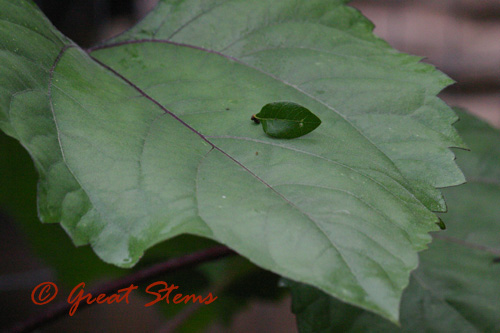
x: 316, y: 156
x: 140, y: 41
x: 144, y: 94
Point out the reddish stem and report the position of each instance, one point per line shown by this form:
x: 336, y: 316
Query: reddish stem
x: 62, y: 308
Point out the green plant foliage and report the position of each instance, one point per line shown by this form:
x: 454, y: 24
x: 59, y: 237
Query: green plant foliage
x: 286, y: 120
x: 141, y: 139
x: 455, y: 288
x: 234, y: 281
x: 72, y: 264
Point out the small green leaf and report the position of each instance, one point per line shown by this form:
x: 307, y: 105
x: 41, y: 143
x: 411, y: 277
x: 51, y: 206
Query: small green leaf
x: 286, y: 120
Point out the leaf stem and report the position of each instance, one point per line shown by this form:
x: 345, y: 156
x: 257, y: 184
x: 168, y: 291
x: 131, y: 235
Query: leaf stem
x: 62, y: 308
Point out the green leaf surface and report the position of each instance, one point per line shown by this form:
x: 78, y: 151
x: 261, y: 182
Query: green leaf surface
x: 456, y: 287
x: 146, y: 137
x: 286, y: 120
x: 71, y: 264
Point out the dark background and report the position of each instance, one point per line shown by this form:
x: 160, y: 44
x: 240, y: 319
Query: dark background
x: 85, y: 21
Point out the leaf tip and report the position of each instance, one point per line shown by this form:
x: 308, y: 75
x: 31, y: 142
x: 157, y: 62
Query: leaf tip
x: 441, y: 224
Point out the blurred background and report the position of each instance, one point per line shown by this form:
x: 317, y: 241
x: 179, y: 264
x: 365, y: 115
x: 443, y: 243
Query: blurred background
x: 460, y: 37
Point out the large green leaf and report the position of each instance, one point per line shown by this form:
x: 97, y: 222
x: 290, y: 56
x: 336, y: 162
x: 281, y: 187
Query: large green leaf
x: 456, y: 288
x: 147, y: 137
